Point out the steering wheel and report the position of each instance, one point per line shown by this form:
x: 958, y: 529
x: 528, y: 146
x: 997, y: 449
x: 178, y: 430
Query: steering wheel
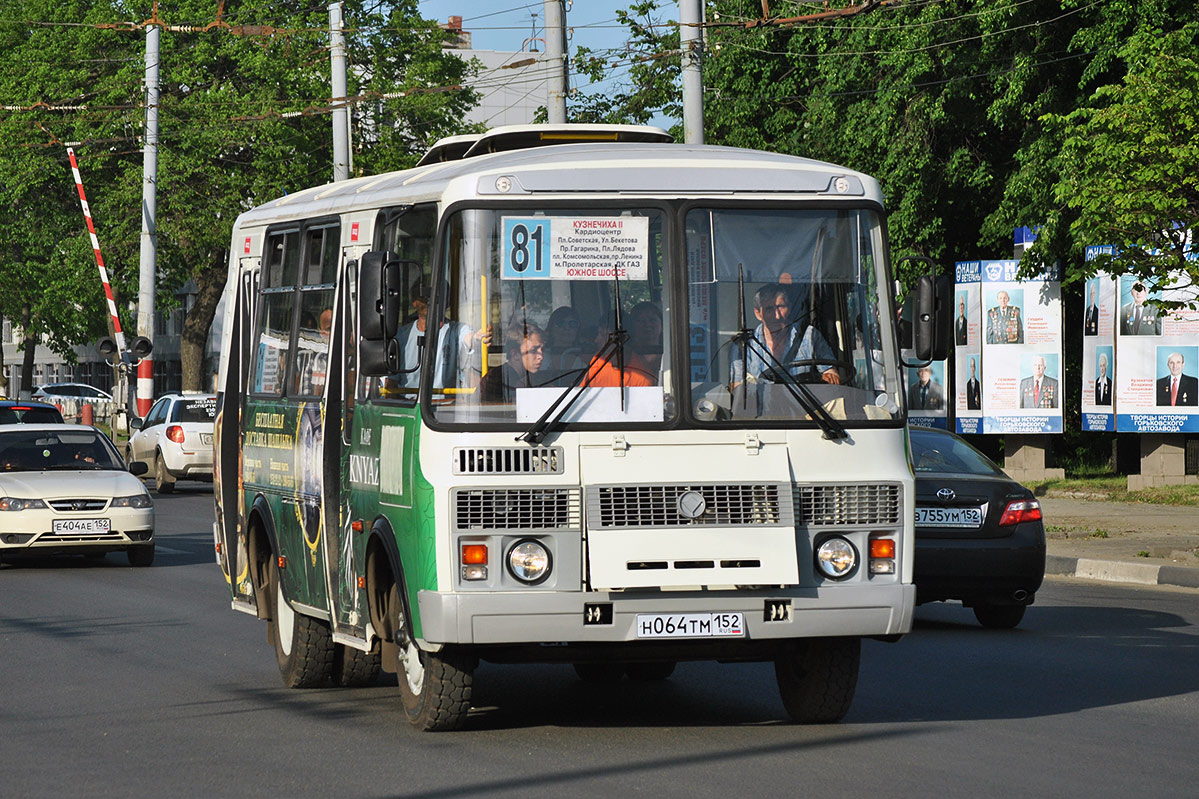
x: 810, y: 376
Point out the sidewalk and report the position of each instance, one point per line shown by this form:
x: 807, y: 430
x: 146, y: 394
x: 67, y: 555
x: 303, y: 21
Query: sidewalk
x: 1121, y: 541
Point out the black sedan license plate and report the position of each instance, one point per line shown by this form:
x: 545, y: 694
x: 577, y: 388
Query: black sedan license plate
x: 690, y: 625
x: 949, y: 517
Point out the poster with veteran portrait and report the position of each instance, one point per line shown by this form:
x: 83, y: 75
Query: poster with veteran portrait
x: 927, y: 394
x: 967, y: 358
x: 1021, y: 350
x: 1157, y: 348
x: 1100, y: 312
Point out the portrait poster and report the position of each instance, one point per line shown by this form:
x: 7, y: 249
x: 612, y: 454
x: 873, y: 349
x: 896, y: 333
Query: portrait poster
x: 927, y: 395
x: 1156, y: 387
x: 1021, y: 350
x: 1099, y: 315
x: 967, y: 349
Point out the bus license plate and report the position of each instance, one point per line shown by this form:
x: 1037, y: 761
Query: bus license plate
x: 81, y: 526
x: 690, y: 625
x: 949, y: 517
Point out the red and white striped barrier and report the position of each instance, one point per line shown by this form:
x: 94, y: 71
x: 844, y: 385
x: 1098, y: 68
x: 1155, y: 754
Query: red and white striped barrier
x: 91, y: 229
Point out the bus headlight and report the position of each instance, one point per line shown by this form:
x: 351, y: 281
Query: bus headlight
x: 529, y: 561
x: 836, y: 558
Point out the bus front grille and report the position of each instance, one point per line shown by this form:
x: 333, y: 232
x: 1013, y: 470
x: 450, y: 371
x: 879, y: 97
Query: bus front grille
x: 729, y: 505
x: 507, y: 460
x: 526, y: 509
x: 856, y: 504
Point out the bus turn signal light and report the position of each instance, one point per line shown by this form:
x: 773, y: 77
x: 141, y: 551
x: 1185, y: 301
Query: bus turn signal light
x: 474, y: 554
x: 882, y: 548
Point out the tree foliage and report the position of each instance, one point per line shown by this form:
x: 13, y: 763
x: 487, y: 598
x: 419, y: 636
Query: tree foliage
x: 243, y: 118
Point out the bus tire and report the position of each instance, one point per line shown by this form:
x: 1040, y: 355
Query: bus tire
x: 817, y: 679
x: 353, y: 668
x: 435, y: 687
x: 163, y: 482
x: 303, y: 645
x: 655, y: 671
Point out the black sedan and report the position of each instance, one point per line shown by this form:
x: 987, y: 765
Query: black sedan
x: 979, y: 535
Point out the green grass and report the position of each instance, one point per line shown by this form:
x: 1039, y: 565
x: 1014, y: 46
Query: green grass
x: 1115, y: 488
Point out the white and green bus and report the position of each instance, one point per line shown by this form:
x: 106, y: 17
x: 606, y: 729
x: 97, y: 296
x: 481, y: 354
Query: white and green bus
x: 568, y: 394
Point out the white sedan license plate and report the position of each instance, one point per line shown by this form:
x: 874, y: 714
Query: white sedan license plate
x: 690, y: 625
x: 949, y: 517
x: 81, y: 526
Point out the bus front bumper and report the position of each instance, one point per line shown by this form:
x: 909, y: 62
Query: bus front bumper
x: 530, y: 617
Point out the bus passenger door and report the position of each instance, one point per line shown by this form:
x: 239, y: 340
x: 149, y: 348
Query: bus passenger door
x: 343, y: 564
x: 228, y: 469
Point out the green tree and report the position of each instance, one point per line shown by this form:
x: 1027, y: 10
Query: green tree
x: 244, y: 118
x: 49, y: 285
x: 1129, y: 163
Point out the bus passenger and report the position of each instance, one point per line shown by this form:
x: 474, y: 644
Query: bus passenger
x: 562, y: 345
x: 525, y: 347
x: 642, y: 354
x: 779, y: 334
x: 456, y: 352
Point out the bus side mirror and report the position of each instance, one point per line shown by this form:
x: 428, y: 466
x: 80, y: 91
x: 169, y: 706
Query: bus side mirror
x: 932, y: 321
x: 378, y: 295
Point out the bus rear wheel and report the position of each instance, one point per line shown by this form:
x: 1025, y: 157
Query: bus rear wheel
x: 303, y: 645
x: 817, y: 679
x: 435, y: 687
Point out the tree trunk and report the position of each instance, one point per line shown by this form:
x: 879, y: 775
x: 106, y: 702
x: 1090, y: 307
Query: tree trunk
x: 210, y: 284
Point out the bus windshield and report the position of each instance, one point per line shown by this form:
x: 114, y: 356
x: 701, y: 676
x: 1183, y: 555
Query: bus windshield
x: 548, y: 305
x: 784, y: 313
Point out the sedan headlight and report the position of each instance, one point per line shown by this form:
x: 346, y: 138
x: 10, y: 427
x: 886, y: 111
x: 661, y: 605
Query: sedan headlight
x: 134, y: 501
x: 529, y: 561
x: 12, y: 503
x: 836, y: 558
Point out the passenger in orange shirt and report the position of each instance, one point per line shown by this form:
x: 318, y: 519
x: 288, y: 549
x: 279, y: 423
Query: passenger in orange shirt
x: 642, y: 354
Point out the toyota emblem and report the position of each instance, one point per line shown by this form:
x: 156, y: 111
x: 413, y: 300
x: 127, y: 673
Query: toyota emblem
x: 946, y: 494
x: 691, y: 504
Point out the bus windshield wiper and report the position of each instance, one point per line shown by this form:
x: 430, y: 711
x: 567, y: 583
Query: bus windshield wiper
x: 832, y: 428
x: 615, y: 344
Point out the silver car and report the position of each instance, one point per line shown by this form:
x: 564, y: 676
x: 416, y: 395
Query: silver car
x: 175, y: 439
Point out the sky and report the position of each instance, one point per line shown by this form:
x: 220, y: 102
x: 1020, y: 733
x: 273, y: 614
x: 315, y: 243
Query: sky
x: 506, y: 24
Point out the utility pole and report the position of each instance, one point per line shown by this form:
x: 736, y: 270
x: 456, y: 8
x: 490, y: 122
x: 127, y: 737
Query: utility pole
x: 149, y: 243
x: 691, y: 37
x: 341, y: 114
x: 555, y: 57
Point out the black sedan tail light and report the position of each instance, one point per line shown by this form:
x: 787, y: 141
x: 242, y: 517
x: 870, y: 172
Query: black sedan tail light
x: 1021, y: 510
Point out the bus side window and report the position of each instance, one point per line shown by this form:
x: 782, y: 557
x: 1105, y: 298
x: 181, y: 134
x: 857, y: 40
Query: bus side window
x: 273, y: 332
x: 321, y: 253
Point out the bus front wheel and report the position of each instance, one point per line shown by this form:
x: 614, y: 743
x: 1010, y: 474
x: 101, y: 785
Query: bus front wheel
x: 435, y: 687
x: 817, y: 679
x: 303, y: 645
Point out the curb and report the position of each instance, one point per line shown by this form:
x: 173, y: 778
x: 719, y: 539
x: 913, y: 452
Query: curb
x: 1122, y: 571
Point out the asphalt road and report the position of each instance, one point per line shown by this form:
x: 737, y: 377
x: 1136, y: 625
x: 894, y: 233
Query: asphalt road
x: 142, y: 682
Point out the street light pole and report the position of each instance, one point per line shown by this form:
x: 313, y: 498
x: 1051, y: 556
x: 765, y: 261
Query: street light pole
x: 149, y: 240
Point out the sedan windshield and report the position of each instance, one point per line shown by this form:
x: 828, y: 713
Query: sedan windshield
x: 38, y: 451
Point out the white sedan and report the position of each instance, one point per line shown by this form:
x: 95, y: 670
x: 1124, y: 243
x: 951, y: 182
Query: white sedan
x: 65, y: 490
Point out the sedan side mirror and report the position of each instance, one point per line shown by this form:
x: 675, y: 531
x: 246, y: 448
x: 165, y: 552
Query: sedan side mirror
x: 137, y: 468
x: 135, y: 424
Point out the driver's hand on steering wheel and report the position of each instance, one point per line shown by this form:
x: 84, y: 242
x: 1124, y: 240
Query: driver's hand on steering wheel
x: 831, y: 376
